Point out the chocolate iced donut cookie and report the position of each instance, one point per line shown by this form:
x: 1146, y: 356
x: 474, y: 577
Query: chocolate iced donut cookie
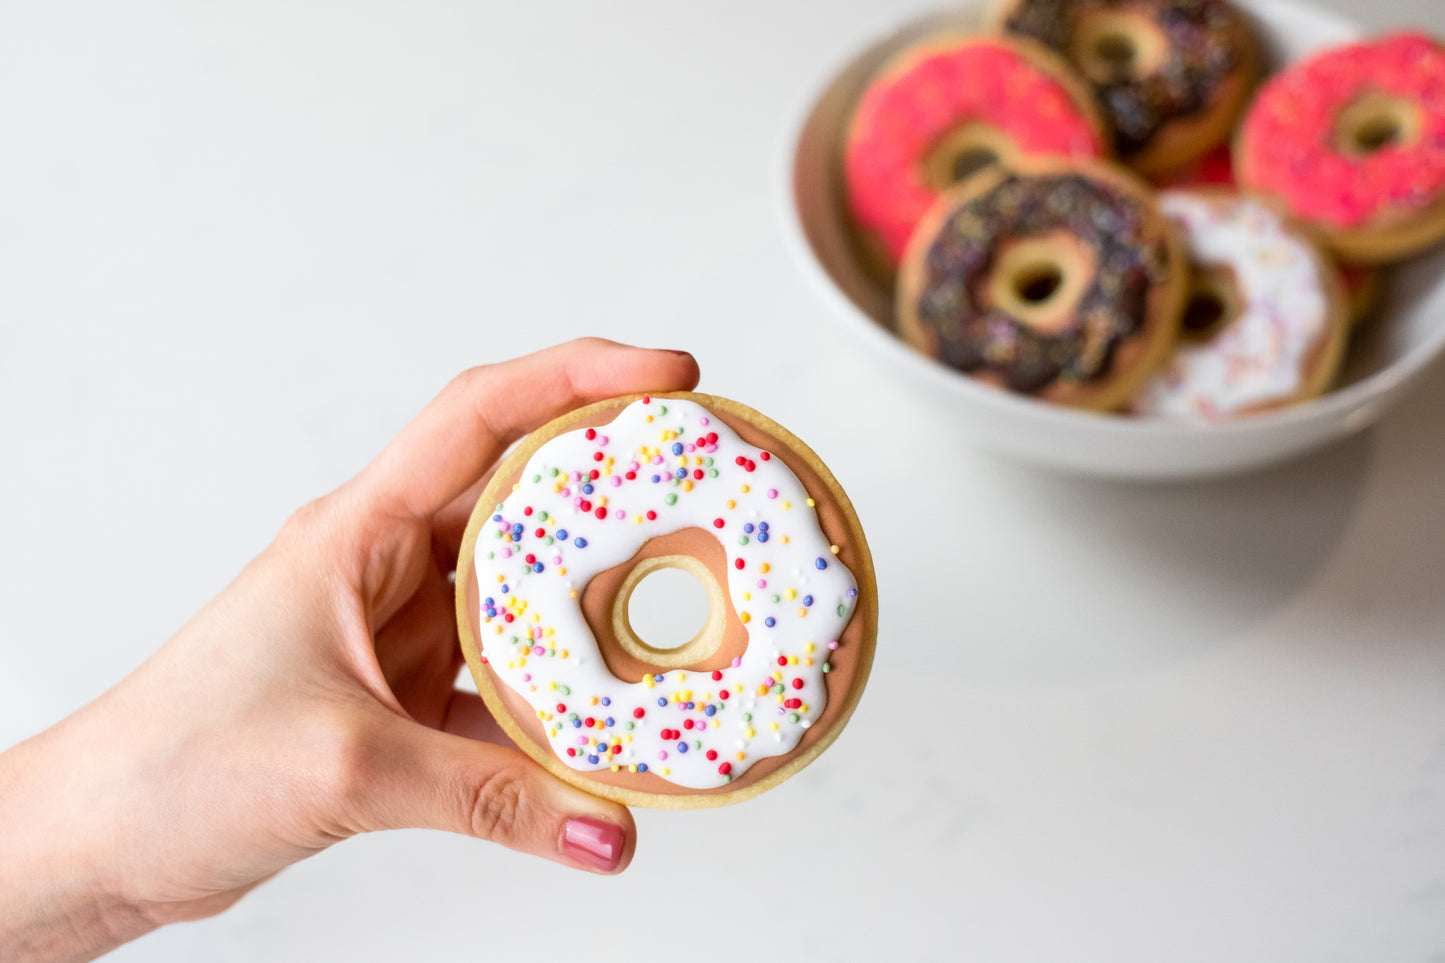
x: 1172, y: 76
x: 592, y: 504
x: 1060, y: 281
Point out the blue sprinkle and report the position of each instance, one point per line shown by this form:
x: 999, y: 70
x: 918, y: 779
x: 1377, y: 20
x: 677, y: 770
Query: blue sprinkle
x: 496, y: 518
x: 748, y: 528
x: 762, y: 526
x: 677, y: 448
x: 505, y: 589
x: 561, y: 534
x: 710, y: 710
x: 489, y: 601
x: 762, y: 536
x: 682, y: 747
x: 680, y: 473
x: 592, y: 759
x: 536, y: 566
x: 610, y: 721
x: 576, y: 723
x: 770, y: 621
x: 657, y: 678
x: 687, y: 705
x: 580, y: 542
x: 852, y: 593
x: 606, y: 701
x: 661, y: 702
x: 656, y: 479
x: 642, y: 767
x: 820, y: 564
x: 586, y: 489
x: 807, y: 600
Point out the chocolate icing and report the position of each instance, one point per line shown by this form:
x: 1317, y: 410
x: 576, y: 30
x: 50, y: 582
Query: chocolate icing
x: 972, y: 335
x: 1202, y: 37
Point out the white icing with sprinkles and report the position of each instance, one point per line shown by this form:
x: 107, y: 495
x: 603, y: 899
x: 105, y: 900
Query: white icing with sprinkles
x: 1259, y: 358
x: 587, y: 500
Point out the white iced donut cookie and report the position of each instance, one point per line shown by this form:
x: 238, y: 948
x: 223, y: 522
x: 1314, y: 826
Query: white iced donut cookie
x: 555, y: 656
x: 1265, y: 325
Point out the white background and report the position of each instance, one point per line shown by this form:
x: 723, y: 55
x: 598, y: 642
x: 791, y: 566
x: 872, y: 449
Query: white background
x: 241, y: 243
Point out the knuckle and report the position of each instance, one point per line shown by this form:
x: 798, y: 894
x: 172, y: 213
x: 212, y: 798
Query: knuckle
x: 496, y: 806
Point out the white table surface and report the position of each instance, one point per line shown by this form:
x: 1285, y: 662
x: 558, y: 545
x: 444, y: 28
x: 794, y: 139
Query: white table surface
x: 242, y: 242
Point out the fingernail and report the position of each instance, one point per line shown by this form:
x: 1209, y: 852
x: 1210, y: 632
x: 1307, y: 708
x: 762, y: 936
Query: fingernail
x: 680, y: 354
x: 594, y: 842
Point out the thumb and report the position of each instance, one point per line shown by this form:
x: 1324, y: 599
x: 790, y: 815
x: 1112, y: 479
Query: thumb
x: 429, y: 779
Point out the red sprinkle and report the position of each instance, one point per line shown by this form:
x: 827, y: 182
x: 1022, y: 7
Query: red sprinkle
x: 782, y: 660
x: 571, y: 751
x: 687, y: 723
x: 764, y: 455
x: 527, y: 510
x: 601, y: 513
x: 651, y: 515
x: 717, y: 523
x: 507, y: 617
x: 697, y: 474
x: 716, y: 675
x: 598, y: 456
x: 540, y: 532
x: 589, y: 722
x: 585, y: 505
x: 591, y: 434
x: 594, y: 474
x: 725, y: 768
x: 561, y: 707
x: 723, y: 694
x: 738, y: 564
x: 792, y: 703
x: 797, y: 683
x: 631, y: 476
x: 637, y: 713
x: 711, y: 755
x: 531, y: 559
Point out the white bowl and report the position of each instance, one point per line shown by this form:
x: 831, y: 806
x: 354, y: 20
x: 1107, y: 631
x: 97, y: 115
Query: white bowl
x: 1390, y: 353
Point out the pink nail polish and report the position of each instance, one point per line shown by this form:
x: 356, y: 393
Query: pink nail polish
x: 594, y: 842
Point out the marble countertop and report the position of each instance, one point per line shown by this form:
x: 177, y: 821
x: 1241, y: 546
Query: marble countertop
x: 242, y: 243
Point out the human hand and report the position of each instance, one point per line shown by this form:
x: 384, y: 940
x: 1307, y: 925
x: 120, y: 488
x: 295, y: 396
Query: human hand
x: 310, y: 701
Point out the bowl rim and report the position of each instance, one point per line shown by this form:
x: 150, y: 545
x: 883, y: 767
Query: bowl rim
x: 1362, y: 399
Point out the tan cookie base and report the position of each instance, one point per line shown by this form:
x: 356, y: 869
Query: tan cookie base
x: 849, y: 663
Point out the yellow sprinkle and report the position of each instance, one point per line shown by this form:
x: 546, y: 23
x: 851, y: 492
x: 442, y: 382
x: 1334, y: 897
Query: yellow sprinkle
x: 531, y: 688
x: 716, y: 722
x: 601, y: 501
x: 633, y: 767
x: 765, y: 568
x: 563, y: 571
x: 749, y: 733
x: 517, y: 487
x: 551, y: 686
x: 732, y: 504
x: 682, y: 677
x: 687, y: 694
x: 697, y: 460
x: 747, y: 596
x: 808, y: 647
x: 786, y: 539
x: 594, y: 700
x: 811, y: 503
x: 762, y: 690
x: 501, y: 578
x: 807, y: 661
x: 792, y: 660
x: 591, y: 743
x: 778, y: 699
x: 563, y: 653
x: 744, y: 618
x: 787, y: 505
x: 541, y: 715
x: 647, y: 680
x: 802, y: 613
x: 803, y: 709
x: 667, y: 770
x: 687, y: 485
x: 740, y: 756
x: 777, y: 676
x: 637, y: 519
x: 833, y: 549
x: 746, y: 489
x: 649, y: 419
x: 626, y: 738
x: 790, y: 594
x: 773, y: 726
x: 571, y: 595
x: 738, y: 688
x: 616, y: 767
x: 549, y: 633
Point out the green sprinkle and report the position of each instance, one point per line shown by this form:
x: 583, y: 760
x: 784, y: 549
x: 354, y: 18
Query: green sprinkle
x: 727, y: 779
x: 565, y: 690
x: 548, y: 540
x: 536, y: 479
x: 842, y: 610
x: 742, y: 539
x: 491, y: 555
x: 571, y: 717
x: 777, y: 599
x: 707, y: 462
x: 779, y: 689
x: 827, y: 667
x: 552, y: 472
x: 747, y: 717
x: 670, y: 499
x: 712, y: 473
x: 792, y: 717
x: 697, y: 744
x: 541, y: 516
x: 629, y: 726
x: 662, y: 410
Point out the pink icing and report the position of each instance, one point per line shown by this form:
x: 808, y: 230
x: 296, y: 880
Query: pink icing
x: 1287, y: 138
x: 902, y: 116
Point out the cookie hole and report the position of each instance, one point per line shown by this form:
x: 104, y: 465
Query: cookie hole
x: 1376, y: 122
x: 1203, y: 314
x: 1117, y: 52
x: 1038, y: 283
x: 667, y: 609
x: 973, y: 160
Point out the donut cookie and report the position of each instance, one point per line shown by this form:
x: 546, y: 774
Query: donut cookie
x: 1059, y: 281
x: 587, y: 507
x: 1351, y: 141
x: 1172, y: 76
x: 947, y: 108
x: 1267, y: 319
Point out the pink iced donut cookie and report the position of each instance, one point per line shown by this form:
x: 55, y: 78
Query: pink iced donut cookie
x: 941, y: 111
x: 1352, y: 142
